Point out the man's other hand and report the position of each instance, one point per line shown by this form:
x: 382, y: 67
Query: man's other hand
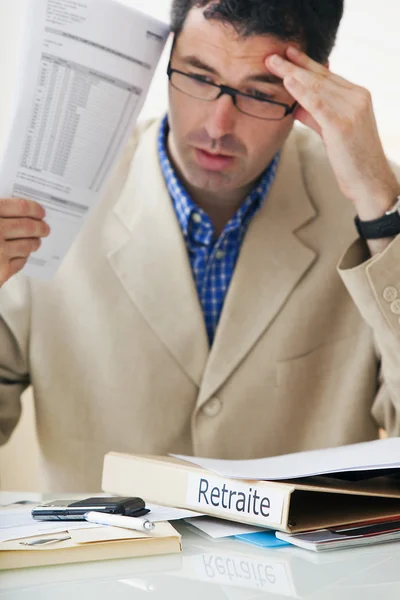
x: 342, y: 114
x: 21, y: 229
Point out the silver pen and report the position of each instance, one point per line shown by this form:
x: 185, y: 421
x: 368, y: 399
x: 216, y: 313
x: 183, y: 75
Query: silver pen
x: 136, y: 523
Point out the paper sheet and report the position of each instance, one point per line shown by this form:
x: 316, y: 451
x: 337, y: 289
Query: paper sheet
x: 219, y: 528
x: 17, y: 523
x: 166, y: 513
x: 85, y: 71
x: 367, y: 456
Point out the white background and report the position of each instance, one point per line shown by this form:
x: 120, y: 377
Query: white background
x: 367, y: 52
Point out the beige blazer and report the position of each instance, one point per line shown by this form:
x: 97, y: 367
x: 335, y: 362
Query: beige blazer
x: 116, y: 348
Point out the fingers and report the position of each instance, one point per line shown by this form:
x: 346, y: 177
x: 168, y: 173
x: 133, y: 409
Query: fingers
x: 16, y: 264
x: 14, y: 228
x: 304, y: 117
x: 20, y: 207
x: 301, y: 71
x: 289, y: 71
x: 14, y: 255
x: 19, y: 248
x: 10, y: 268
x: 319, y: 92
x: 301, y: 59
x: 21, y: 227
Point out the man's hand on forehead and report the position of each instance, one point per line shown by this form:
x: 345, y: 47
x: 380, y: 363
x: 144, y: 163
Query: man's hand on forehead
x: 312, y: 85
x: 342, y: 114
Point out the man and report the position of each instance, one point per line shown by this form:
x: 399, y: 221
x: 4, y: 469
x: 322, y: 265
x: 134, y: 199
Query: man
x: 201, y: 311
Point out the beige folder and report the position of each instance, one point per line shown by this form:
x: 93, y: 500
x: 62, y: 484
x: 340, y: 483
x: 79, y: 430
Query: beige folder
x: 102, y: 543
x: 291, y: 506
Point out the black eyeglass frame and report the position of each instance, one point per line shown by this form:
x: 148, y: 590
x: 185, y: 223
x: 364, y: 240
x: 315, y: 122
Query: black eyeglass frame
x: 233, y: 93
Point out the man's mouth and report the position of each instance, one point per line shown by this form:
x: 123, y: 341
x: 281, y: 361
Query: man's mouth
x: 213, y: 162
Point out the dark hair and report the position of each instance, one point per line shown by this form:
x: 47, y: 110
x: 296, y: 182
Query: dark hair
x: 311, y: 23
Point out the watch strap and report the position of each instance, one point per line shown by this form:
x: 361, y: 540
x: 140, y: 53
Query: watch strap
x: 384, y: 227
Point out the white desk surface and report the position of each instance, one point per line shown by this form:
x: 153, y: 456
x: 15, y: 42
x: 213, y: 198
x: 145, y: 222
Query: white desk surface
x: 214, y: 570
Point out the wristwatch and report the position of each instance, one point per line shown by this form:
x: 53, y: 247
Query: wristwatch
x: 384, y: 227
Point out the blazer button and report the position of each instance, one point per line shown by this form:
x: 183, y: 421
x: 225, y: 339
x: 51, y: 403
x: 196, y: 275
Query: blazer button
x: 390, y: 293
x: 213, y: 407
x: 395, y: 307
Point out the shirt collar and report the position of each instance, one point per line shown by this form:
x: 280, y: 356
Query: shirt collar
x: 184, y: 205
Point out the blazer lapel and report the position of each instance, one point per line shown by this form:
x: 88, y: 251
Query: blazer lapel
x: 271, y: 263
x: 147, y: 251
x: 148, y: 254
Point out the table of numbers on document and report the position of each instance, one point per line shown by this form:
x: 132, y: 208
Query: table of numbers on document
x: 79, y: 116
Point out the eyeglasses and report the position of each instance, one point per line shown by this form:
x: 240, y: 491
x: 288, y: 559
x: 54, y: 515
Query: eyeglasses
x: 197, y: 87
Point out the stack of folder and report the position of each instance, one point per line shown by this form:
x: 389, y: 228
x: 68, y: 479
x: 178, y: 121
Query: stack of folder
x: 84, y: 545
x: 293, y: 494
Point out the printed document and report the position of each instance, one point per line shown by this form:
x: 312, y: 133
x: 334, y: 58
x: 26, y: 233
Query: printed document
x: 17, y: 522
x: 219, y: 528
x: 86, y: 67
x: 366, y: 456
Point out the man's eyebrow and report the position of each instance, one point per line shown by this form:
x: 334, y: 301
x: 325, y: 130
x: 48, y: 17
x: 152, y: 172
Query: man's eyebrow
x: 266, y: 78
x: 194, y: 61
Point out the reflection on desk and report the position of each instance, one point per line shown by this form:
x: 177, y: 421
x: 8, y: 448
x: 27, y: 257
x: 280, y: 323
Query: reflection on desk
x: 216, y: 570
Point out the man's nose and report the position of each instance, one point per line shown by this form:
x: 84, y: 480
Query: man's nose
x: 222, y: 115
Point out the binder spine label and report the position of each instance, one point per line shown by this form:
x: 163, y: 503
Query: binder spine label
x: 214, y: 495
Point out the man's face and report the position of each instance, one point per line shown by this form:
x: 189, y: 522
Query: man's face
x: 216, y: 148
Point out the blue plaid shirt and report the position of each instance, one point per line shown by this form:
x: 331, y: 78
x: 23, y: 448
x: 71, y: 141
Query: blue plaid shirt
x: 213, y: 261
